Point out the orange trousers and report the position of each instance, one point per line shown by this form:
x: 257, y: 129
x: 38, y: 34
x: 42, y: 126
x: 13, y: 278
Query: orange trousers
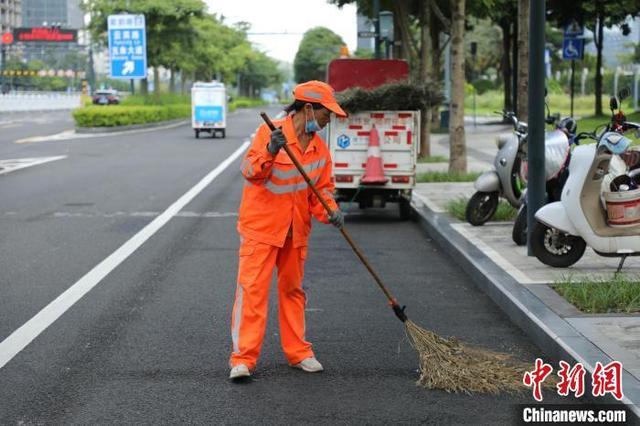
x: 249, y: 317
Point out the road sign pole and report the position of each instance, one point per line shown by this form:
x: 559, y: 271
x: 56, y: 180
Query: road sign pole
x: 3, y: 58
x: 376, y: 21
x: 573, y: 83
x: 133, y: 87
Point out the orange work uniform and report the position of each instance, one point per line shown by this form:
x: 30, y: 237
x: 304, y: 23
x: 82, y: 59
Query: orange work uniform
x: 274, y: 224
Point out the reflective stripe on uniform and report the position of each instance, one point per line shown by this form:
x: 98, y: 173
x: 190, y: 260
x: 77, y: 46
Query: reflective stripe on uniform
x: 247, y: 169
x: 308, y: 168
x: 285, y: 189
x: 235, y: 332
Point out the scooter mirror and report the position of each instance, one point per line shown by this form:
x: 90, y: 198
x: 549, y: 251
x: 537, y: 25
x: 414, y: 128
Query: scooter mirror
x: 624, y: 93
x: 613, y: 103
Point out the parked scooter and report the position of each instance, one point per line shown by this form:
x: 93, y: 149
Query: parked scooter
x: 505, y: 179
x: 563, y: 229
x: 557, y: 147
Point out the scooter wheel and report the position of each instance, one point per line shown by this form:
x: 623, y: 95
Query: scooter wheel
x: 481, y: 207
x: 555, y: 248
x: 519, y: 233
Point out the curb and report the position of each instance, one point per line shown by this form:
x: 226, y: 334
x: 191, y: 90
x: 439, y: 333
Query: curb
x: 552, y: 333
x: 93, y: 130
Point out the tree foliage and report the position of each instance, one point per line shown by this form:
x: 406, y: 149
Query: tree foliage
x: 183, y: 37
x: 318, y: 47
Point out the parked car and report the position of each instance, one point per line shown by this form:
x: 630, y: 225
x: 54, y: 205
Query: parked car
x: 106, y: 97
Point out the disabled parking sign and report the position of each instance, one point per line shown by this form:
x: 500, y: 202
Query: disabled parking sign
x: 127, y: 46
x: 572, y: 48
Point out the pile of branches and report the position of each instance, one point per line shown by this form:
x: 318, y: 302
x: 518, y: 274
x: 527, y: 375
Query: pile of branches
x: 396, y: 96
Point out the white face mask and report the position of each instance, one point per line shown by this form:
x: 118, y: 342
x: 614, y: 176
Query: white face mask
x: 311, y: 125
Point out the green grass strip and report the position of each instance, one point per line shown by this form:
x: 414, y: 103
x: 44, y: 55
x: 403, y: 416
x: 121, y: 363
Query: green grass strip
x: 618, y: 294
x: 504, y: 213
x: 447, y: 177
x: 433, y: 159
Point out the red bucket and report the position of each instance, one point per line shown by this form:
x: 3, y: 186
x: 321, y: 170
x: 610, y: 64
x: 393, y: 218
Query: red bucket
x: 623, y: 208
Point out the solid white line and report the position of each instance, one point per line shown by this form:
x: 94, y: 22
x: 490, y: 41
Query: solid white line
x: 20, y: 338
x: 23, y: 163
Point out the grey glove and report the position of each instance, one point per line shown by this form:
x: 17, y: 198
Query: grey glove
x: 277, y: 141
x: 336, y: 219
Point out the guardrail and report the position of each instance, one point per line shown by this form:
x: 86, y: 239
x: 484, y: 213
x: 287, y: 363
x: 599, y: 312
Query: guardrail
x: 38, y: 101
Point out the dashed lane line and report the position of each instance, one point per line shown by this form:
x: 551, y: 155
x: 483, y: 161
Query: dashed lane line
x: 24, y: 335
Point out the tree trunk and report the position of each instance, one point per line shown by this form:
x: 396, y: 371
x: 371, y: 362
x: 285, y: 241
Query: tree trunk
x: 599, y: 44
x: 523, y: 59
x: 401, y: 16
x: 156, y: 81
x: 435, y: 28
x: 425, y: 67
x: 505, y: 25
x: 457, y: 145
x: 172, y: 81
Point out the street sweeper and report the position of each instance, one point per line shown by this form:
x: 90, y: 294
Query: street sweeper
x: 274, y: 225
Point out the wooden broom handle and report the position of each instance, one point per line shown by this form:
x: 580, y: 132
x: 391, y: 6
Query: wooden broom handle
x: 353, y: 245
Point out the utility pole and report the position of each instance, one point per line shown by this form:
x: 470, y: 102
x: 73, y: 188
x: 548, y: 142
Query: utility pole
x: 536, y: 179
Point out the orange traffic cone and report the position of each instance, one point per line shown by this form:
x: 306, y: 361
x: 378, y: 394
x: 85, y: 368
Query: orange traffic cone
x: 373, y: 173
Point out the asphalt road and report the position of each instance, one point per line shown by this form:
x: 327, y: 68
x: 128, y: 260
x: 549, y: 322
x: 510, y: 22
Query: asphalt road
x: 150, y: 342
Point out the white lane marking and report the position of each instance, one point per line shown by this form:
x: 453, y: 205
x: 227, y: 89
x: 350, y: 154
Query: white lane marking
x: 497, y: 258
x: 24, y: 335
x: 71, y: 134
x: 141, y: 214
x: 7, y: 166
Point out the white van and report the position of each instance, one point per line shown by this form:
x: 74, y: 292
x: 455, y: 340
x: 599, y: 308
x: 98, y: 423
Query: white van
x: 209, y: 108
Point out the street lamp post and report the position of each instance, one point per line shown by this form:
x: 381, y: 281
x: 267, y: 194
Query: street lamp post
x: 536, y: 178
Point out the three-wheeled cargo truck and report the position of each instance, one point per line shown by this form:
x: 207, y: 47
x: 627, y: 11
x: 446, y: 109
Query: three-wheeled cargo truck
x: 209, y: 108
x: 398, y: 133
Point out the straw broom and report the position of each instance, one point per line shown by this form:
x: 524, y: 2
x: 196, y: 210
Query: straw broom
x: 445, y: 364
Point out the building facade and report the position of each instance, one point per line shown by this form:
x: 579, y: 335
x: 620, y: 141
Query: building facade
x: 65, y: 14
x: 10, y: 15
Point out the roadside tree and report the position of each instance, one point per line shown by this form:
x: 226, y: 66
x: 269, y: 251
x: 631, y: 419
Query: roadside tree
x: 318, y: 47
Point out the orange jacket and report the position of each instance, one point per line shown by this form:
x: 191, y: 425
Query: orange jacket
x: 275, y: 197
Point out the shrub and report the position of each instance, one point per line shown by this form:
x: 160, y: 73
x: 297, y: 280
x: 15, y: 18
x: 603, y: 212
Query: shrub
x: 152, y: 99
x: 483, y: 85
x: 123, y: 115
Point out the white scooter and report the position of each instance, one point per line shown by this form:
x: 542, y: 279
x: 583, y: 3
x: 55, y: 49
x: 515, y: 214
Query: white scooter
x: 564, y: 228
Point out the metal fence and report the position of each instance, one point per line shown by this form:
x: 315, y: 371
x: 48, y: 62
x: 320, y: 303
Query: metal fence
x: 38, y: 101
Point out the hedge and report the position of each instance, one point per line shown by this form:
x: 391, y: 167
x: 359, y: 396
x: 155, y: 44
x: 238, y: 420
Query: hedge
x: 122, y: 115
x: 138, y: 109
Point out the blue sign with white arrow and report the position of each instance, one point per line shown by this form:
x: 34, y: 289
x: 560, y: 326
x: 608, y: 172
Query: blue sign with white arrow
x: 127, y: 46
x: 572, y: 48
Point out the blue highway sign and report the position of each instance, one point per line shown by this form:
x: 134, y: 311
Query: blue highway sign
x: 127, y: 46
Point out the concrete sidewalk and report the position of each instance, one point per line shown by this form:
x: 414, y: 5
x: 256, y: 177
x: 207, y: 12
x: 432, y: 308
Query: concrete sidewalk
x: 521, y: 285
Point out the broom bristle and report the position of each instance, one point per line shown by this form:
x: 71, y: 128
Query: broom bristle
x: 450, y: 365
